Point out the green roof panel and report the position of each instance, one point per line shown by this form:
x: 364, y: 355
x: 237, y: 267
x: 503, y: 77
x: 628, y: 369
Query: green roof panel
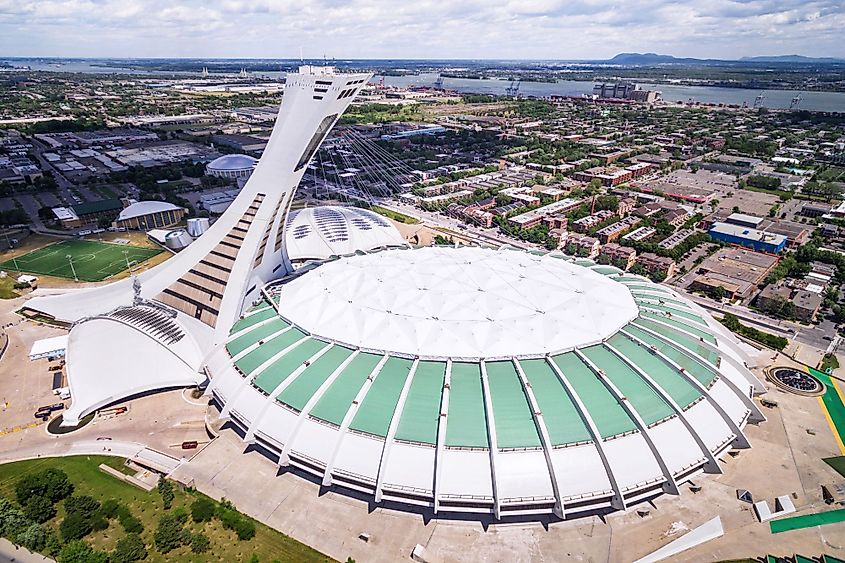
x: 422, y: 407
x: 300, y: 391
x: 337, y: 399
x: 376, y: 410
x: 608, y: 415
x: 640, y: 395
x: 560, y: 414
x: 515, y: 427
x: 467, y: 422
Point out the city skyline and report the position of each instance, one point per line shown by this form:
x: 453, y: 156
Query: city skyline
x: 471, y: 30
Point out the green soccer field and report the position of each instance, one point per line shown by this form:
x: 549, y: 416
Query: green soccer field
x: 92, y: 260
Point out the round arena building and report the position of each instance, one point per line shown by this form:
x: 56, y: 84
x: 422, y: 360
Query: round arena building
x: 231, y: 166
x: 485, y: 381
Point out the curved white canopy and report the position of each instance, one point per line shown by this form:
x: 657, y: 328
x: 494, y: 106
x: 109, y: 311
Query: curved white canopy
x: 141, y: 208
x: 318, y: 233
x: 467, y: 303
x: 233, y: 162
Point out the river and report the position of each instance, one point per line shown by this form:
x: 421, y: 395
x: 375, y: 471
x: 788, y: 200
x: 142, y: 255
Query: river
x: 775, y: 99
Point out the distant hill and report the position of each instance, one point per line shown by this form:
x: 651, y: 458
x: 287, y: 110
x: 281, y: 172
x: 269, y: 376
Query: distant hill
x: 645, y: 59
x: 791, y: 59
x: 655, y: 59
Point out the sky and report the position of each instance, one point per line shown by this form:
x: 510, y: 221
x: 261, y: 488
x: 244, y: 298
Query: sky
x: 420, y: 29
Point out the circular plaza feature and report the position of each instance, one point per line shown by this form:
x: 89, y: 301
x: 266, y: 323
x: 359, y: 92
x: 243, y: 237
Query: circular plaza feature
x: 797, y: 381
x: 485, y: 381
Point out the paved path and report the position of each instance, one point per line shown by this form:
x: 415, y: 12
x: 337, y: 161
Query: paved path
x: 10, y: 552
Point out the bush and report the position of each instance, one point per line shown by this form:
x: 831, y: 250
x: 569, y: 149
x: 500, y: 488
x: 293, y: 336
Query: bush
x: 34, y: 538
x: 80, y: 552
x: 186, y: 536
x: 168, y: 534
x: 83, y: 505
x: 245, y: 529
x: 129, y: 548
x: 129, y: 522
x: 202, y: 509
x: 165, y: 489
x: 75, y: 526
x: 200, y: 543
x: 12, y: 520
x: 775, y: 342
x: 109, y: 508
x: 39, y: 508
x: 52, y: 484
x: 233, y: 520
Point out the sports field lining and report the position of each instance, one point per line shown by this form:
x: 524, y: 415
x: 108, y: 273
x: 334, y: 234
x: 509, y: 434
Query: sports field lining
x: 92, y: 260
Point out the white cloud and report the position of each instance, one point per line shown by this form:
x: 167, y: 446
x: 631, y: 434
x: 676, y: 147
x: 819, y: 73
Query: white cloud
x: 558, y: 29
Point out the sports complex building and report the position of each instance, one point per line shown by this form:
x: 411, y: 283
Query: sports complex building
x: 476, y: 380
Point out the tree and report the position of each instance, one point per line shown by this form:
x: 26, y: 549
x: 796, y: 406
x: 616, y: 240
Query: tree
x: 51, y: 483
x: 165, y: 489
x: 83, y: 505
x: 202, y: 509
x: 34, y: 538
x: 129, y: 522
x: 168, y: 534
x: 200, y: 543
x: 75, y: 526
x: 39, y: 508
x: 12, y: 520
x: 80, y: 552
x: 129, y: 548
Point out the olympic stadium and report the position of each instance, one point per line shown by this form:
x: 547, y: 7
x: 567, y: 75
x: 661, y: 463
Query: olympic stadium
x: 488, y: 381
x: 481, y: 380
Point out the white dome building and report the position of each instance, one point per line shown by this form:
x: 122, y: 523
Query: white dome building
x: 486, y: 381
x: 231, y: 166
x: 319, y: 233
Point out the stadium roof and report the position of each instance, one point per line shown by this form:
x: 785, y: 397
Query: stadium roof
x: 471, y: 303
x: 141, y: 208
x: 478, y: 380
x: 233, y: 162
x: 317, y: 233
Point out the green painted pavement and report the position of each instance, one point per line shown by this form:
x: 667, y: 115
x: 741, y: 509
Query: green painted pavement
x: 807, y: 521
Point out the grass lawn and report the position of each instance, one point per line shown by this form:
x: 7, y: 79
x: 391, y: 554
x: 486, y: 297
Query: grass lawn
x: 268, y: 544
x: 837, y: 463
x: 829, y: 361
x: 7, y: 288
x: 832, y: 174
x: 395, y: 215
x: 92, y: 260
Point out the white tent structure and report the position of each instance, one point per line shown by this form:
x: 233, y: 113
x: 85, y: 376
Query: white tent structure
x: 319, y: 233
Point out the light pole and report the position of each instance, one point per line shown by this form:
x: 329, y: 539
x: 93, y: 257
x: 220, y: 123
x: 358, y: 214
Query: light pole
x: 72, y: 269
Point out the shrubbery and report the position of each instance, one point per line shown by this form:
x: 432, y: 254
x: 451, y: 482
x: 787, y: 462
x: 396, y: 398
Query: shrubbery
x: 203, y: 509
x: 775, y: 342
x: 165, y: 489
x: 129, y: 548
x: 52, y: 484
